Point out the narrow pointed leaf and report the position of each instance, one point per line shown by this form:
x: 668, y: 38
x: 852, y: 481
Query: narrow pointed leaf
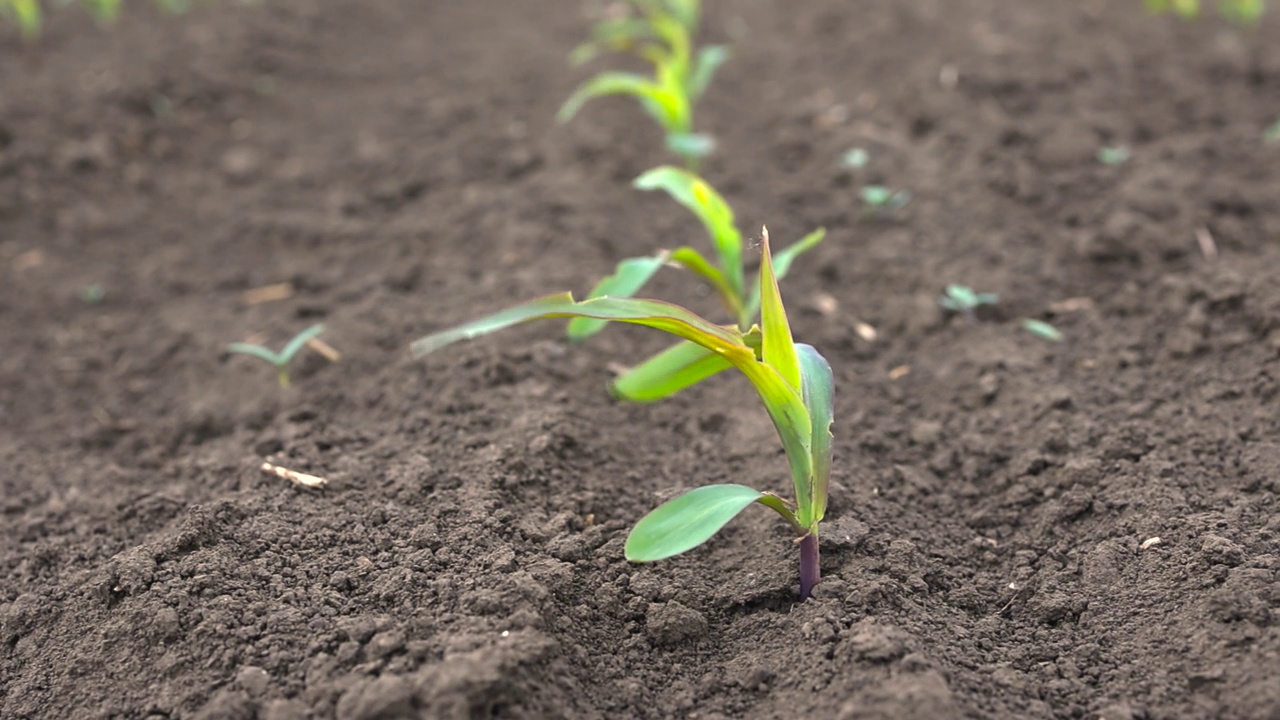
x: 687, y: 521
x: 818, y: 390
x: 670, y: 371
x: 653, y: 97
x: 256, y: 351
x: 709, y: 59
x: 726, y: 341
x: 625, y: 282
x: 298, y: 341
x: 779, y: 349
x: 782, y: 262
x: 27, y: 13
x: 695, y: 194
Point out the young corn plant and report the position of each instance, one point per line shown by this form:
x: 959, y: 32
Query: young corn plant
x: 687, y: 363
x: 661, y: 32
x: 1244, y: 12
x: 280, y: 360
x: 793, y: 380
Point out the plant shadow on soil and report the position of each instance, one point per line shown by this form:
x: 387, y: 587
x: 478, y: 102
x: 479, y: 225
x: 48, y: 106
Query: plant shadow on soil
x: 989, y: 552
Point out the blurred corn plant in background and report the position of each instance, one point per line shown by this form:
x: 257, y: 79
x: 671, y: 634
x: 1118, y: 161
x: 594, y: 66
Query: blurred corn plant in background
x: 29, y: 14
x: 1245, y: 12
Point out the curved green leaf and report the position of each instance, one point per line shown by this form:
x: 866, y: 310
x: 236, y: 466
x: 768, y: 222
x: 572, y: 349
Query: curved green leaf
x: 670, y: 371
x: 695, y: 194
x: 626, y: 281
x: 694, y: 262
x: 256, y: 351
x: 298, y: 341
x: 818, y: 390
x: 709, y: 59
x: 726, y: 341
x: 656, y: 100
x: 687, y: 521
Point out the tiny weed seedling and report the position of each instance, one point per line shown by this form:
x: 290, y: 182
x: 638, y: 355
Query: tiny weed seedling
x: 1042, y: 330
x: 281, y: 359
x: 1272, y: 134
x: 855, y: 158
x: 660, y: 32
x: 793, y: 380
x: 881, y: 199
x: 1243, y: 12
x: 686, y: 363
x: 1113, y: 156
x: 963, y: 299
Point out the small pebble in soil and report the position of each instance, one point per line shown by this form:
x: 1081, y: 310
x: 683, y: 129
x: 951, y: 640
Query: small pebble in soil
x: 671, y: 623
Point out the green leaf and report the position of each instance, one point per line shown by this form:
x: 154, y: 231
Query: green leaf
x: 618, y: 34
x: 1042, y: 330
x: 694, y: 262
x: 657, y: 101
x: 686, y: 521
x: 693, y: 145
x: 626, y: 281
x: 256, y: 351
x: 779, y: 350
x: 709, y: 59
x: 28, y: 14
x: 782, y: 264
x: 298, y: 341
x: 695, y: 194
x: 818, y: 386
x: 726, y: 341
x: 670, y: 371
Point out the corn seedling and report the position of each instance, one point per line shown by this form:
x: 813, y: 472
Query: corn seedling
x: 281, y: 359
x: 881, y: 199
x: 963, y: 299
x: 661, y: 32
x: 1244, y: 12
x: 793, y: 380
x: 686, y: 363
x: 29, y: 15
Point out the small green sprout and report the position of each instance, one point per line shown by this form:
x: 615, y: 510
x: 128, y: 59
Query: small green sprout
x: 1272, y: 134
x: 93, y: 294
x: 793, y: 380
x: 686, y: 364
x: 855, y: 158
x: 963, y: 299
x: 281, y: 359
x: 660, y: 32
x: 882, y: 199
x: 1042, y: 330
x: 1243, y: 12
x: 1113, y: 156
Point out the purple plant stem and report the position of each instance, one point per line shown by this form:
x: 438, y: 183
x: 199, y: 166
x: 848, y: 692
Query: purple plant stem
x: 810, y: 571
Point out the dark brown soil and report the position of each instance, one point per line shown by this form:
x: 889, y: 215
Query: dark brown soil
x: 990, y: 551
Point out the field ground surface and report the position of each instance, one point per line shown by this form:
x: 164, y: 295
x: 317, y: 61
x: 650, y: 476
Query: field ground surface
x: 1018, y: 528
